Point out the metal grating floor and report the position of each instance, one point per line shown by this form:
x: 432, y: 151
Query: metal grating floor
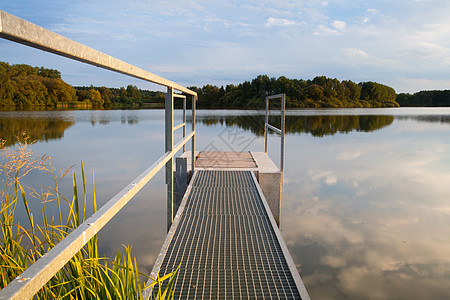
x: 226, y: 244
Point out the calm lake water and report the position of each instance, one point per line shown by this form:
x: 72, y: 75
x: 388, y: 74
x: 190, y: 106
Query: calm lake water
x: 365, y: 204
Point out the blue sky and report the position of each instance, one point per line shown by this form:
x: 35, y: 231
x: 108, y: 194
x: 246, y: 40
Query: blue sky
x: 403, y: 43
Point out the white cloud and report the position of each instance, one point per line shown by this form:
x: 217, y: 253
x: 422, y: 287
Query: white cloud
x: 406, y: 85
x: 334, y: 261
x: 425, y: 50
x: 327, y: 176
x: 322, y: 29
x: 349, y: 155
x: 373, y: 10
x: 278, y: 22
x: 339, y: 25
x: 355, y: 52
x: 331, y: 180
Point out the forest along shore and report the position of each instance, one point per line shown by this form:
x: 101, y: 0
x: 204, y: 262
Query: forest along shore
x: 26, y: 87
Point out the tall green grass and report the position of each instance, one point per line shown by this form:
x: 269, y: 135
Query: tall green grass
x: 86, y: 275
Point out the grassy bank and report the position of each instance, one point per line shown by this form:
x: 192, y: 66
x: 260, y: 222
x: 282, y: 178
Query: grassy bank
x: 86, y: 275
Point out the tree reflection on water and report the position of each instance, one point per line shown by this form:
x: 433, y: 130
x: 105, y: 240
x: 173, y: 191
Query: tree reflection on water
x: 38, y: 129
x: 316, y: 125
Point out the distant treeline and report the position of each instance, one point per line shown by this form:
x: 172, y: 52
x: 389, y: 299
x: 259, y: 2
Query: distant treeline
x: 316, y: 93
x: 122, y: 97
x: 425, y: 98
x: 23, y: 86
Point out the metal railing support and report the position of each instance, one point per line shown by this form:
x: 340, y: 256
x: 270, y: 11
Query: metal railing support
x: 274, y: 128
x: 283, y: 125
x: 184, y: 117
x: 194, y: 100
x: 178, y: 127
x: 266, y: 147
x: 280, y: 131
x: 169, y: 147
x: 184, y: 121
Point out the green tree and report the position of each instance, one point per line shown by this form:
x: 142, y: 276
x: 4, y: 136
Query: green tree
x: 49, y: 73
x: 59, y: 91
x: 425, y: 98
x: 122, y: 92
x: 133, y: 92
x: 29, y: 91
x: 26, y: 86
x: 106, y: 95
x: 7, y: 91
x: 95, y: 98
x: 315, y: 92
x: 378, y: 95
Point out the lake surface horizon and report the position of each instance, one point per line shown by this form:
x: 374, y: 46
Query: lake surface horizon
x: 365, y: 206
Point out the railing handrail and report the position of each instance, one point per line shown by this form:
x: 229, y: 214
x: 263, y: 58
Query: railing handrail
x: 274, y: 128
x: 39, y: 273
x: 280, y: 131
x: 24, y: 32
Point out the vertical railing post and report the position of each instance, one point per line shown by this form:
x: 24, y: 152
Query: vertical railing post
x: 283, y: 112
x: 194, y: 98
x: 184, y: 122
x: 169, y: 147
x: 265, y: 127
x: 280, y: 131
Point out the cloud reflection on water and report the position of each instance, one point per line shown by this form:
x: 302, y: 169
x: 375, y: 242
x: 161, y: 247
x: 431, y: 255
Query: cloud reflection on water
x: 380, y: 230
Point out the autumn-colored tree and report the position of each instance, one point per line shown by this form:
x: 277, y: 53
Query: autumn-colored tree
x: 95, y: 98
x: 26, y: 86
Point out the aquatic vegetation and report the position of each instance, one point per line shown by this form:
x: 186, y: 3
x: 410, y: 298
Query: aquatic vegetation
x: 86, y: 275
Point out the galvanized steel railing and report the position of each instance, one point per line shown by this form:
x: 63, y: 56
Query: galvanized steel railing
x: 37, y: 275
x: 170, y: 129
x: 280, y: 131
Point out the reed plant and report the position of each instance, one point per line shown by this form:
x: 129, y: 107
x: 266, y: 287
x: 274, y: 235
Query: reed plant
x: 86, y: 275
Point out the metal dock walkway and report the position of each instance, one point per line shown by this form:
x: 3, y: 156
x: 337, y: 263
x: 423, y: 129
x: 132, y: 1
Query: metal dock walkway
x: 228, y: 243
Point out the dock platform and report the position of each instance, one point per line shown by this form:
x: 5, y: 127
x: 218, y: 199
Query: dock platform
x: 228, y: 243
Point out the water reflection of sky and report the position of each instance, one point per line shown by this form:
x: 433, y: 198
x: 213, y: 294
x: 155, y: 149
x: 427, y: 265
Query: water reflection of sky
x: 365, y: 214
